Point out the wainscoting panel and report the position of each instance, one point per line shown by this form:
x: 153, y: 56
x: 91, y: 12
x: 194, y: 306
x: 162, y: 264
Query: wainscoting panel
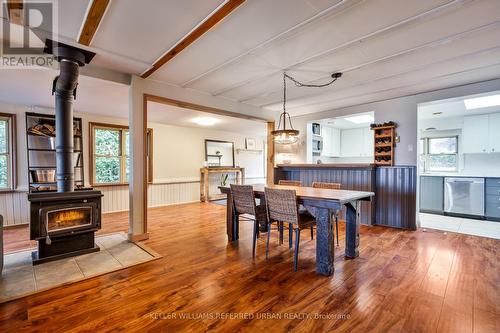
x: 116, y: 198
x: 362, y: 179
x: 396, y: 197
x: 15, y: 208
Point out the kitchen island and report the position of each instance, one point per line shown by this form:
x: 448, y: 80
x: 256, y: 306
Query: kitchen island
x: 395, y: 188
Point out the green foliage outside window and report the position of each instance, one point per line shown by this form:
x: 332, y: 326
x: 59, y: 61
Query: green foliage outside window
x: 4, y: 161
x: 111, y: 151
x: 108, y: 160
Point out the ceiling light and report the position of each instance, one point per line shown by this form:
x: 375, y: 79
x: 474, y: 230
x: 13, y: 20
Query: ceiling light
x: 482, y: 102
x: 205, y: 121
x: 363, y: 119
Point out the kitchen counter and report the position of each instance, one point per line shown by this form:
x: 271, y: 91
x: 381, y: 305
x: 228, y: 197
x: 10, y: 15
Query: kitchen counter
x: 458, y: 175
x: 329, y: 166
x: 395, y: 188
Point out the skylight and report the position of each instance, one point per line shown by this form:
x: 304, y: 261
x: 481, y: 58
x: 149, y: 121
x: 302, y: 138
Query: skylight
x: 362, y: 119
x: 205, y: 121
x: 482, y: 102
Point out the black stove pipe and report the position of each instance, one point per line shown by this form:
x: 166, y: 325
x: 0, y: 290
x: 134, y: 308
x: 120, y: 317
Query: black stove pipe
x: 64, y: 87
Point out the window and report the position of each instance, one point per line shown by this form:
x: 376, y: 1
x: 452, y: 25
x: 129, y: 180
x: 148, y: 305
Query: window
x: 440, y: 154
x: 7, y: 151
x: 110, y: 152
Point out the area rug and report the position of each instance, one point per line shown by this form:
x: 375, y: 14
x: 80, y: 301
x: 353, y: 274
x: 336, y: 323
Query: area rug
x: 20, y: 278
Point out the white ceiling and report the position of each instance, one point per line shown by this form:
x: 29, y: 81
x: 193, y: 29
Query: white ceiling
x: 106, y: 98
x: 342, y: 123
x: 34, y: 87
x: 454, y: 107
x: 172, y: 115
x: 385, y: 48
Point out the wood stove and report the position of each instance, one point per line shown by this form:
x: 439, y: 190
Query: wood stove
x: 64, y: 222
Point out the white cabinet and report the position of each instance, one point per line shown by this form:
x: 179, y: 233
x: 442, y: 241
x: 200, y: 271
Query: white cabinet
x: 494, y: 133
x: 331, y: 141
x: 356, y: 142
x: 351, y: 142
x: 481, y: 134
x: 368, y: 142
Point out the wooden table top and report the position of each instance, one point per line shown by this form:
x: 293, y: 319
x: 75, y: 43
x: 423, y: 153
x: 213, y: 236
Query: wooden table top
x: 303, y: 192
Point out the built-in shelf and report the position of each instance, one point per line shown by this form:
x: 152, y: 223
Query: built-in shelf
x: 40, y: 149
x: 253, y: 151
x: 50, y: 150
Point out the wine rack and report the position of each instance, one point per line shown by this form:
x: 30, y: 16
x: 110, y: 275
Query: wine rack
x: 384, y: 144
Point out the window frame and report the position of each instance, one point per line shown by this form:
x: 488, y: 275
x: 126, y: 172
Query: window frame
x: 11, y: 151
x: 121, y: 153
x: 426, y: 153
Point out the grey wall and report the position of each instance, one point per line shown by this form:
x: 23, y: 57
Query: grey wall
x: 402, y: 110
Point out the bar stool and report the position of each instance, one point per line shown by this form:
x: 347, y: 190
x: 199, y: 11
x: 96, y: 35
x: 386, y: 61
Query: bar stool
x: 289, y: 182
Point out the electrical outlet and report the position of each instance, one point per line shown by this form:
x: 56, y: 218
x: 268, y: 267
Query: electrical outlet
x: 410, y: 147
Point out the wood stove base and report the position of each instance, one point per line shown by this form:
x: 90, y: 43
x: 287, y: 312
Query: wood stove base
x: 64, y: 247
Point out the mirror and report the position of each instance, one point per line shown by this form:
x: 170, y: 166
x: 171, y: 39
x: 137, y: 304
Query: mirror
x: 219, y: 153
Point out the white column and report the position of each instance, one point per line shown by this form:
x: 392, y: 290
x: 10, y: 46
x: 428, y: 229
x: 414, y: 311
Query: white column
x: 137, y: 186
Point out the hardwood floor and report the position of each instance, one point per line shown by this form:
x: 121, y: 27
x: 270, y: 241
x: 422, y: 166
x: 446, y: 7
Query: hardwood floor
x: 402, y: 282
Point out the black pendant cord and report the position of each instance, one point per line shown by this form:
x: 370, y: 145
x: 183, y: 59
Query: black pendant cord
x: 335, y: 77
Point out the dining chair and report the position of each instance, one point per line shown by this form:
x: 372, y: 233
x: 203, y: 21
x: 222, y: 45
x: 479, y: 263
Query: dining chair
x: 331, y: 186
x: 289, y: 182
x: 282, y: 207
x: 245, y: 209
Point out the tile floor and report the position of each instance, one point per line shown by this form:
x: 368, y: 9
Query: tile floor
x: 20, y: 277
x: 466, y: 226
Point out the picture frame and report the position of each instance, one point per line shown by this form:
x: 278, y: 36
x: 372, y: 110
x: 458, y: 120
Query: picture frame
x: 250, y: 143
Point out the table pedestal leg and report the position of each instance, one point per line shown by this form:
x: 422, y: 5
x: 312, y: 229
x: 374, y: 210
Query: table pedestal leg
x: 324, y: 242
x: 231, y: 224
x: 352, y: 230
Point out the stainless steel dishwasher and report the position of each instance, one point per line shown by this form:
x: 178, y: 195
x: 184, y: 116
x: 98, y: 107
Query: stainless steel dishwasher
x: 464, y: 196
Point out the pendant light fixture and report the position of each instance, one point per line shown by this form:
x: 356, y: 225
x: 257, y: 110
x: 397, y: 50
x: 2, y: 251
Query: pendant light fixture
x: 289, y: 135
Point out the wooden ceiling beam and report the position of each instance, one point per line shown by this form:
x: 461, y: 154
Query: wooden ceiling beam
x: 15, y: 10
x: 92, y: 21
x: 210, y: 22
x: 202, y: 108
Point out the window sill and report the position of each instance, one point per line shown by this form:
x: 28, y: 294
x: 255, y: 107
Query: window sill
x: 114, y: 185
x: 12, y: 191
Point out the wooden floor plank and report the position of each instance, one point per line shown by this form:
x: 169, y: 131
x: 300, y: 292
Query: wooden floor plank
x: 403, y: 281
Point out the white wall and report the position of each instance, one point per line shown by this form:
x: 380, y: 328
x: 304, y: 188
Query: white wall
x: 402, y: 110
x: 178, y: 155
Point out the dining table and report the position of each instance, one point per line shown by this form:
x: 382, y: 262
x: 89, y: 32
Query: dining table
x: 320, y: 203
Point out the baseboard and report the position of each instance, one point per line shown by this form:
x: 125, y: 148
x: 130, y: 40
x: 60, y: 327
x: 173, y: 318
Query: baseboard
x: 138, y: 238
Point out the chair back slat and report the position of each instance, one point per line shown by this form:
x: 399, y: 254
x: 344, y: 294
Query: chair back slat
x: 243, y: 199
x: 282, y: 205
x: 331, y: 186
x: 290, y: 182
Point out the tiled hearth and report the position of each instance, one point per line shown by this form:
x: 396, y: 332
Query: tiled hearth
x: 20, y: 277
